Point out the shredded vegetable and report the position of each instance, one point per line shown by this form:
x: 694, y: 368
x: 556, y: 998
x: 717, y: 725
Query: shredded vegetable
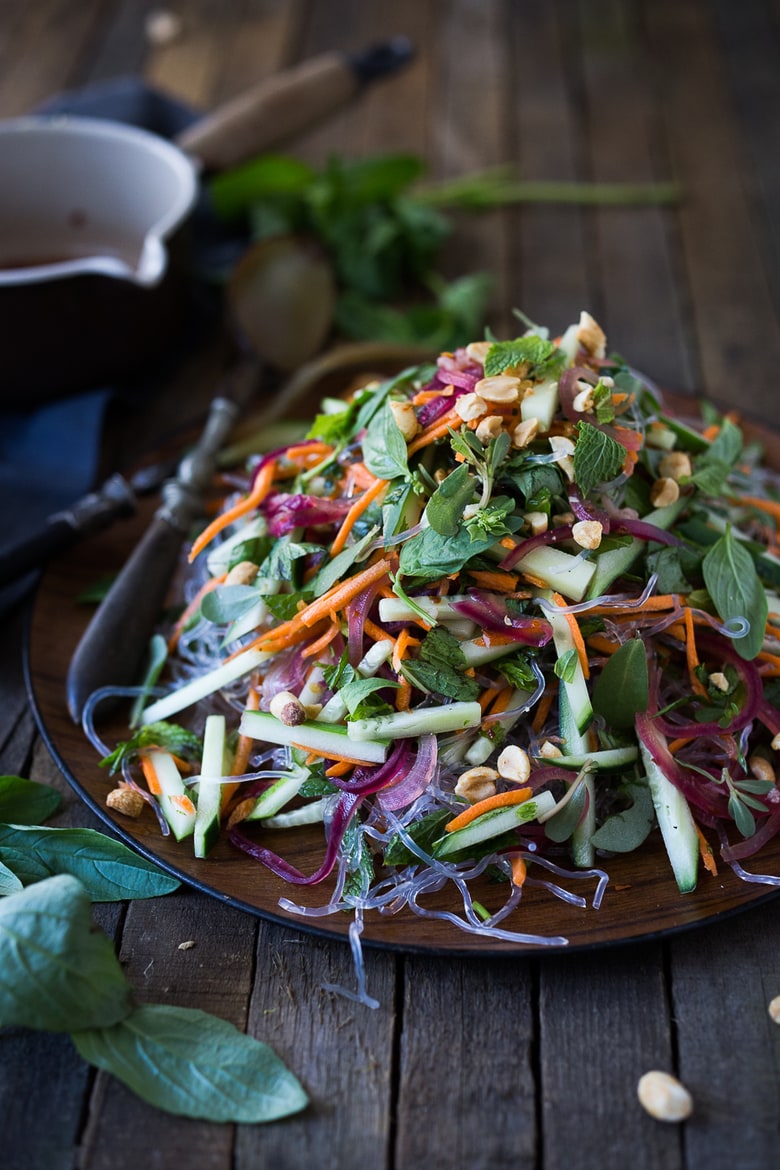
x: 521, y: 616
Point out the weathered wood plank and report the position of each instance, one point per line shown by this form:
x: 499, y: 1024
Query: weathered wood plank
x: 722, y: 980
x: 47, y: 49
x: 736, y: 324
x: 549, y: 277
x: 643, y: 306
x: 466, y: 1094
x: 603, y: 1023
x: 342, y: 1051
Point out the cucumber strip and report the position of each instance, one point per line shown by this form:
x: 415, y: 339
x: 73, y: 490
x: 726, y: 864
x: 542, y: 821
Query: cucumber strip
x: 395, y: 609
x: 219, y: 557
x: 278, y: 794
x: 335, y: 710
x: 676, y: 824
x: 420, y: 721
x: 313, y: 736
x: 615, y: 562
x: 181, y: 820
x: 577, y: 693
x: 493, y: 824
x: 541, y: 402
x: 212, y: 769
x: 307, y: 814
x: 564, y: 572
x: 483, y: 746
x: 575, y: 744
x: 478, y: 653
x: 200, y: 688
x: 604, y: 761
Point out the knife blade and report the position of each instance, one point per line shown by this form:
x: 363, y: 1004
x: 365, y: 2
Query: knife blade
x: 113, y: 647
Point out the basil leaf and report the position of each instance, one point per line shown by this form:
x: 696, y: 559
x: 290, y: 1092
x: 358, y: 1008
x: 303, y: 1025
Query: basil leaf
x: 736, y: 590
x: 335, y: 569
x: 227, y: 603
x: 26, y: 802
x: 598, y: 457
x: 58, y: 973
x: 384, y: 447
x: 9, y: 882
x: 566, y: 666
x: 429, y: 555
x: 625, y: 831
x: 107, y: 869
x: 190, y: 1063
x: 357, y: 691
x: 622, y: 688
x: 444, y: 511
x: 170, y: 737
x: 423, y: 832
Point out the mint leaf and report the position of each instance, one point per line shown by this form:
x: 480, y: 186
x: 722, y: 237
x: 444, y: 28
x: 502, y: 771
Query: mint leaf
x: 423, y: 832
x: 517, y: 671
x: 622, y: 688
x: 504, y: 356
x: 736, y: 590
x: 107, y: 869
x: 190, y: 1063
x: 26, y: 802
x: 58, y: 973
x: 598, y: 457
x: 439, y: 667
x: 284, y: 606
x: 169, y: 737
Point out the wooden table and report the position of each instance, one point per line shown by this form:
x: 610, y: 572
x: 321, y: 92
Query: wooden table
x: 469, y: 1063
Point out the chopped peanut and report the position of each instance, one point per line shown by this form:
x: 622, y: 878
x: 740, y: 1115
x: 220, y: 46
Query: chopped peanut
x: 489, y: 428
x: 775, y: 744
x: 587, y: 533
x: 288, y: 709
x: 536, y: 521
x: 503, y: 388
x: 564, y: 449
x: 675, y: 465
x: 525, y: 432
x: 478, y: 350
x: 591, y: 336
x: 664, y: 1097
x: 514, y: 764
x: 774, y: 1009
x: 583, y: 399
x: 550, y: 751
x: 476, y: 784
x: 405, y: 419
x: 243, y: 573
x: 125, y: 801
x: 562, y: 519
x: 761, y: 769
x: 718, y: 680
x: 664, y: 491
x: 470, y: 406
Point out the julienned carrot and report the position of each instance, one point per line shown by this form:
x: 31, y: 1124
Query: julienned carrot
x: 354, y: 513
x: 260, y: 490
x: 435, y: 431
x: 542, y: 711
x: 771, y: 507
x: 337, y: 597
x: 191, y: 610
x: 303, y: 450
x: 150, y: 776
x: 660, y: 601
x: 500, y: 800
x: 339, y: 769
x: 496, y: 580
x: 675, y: 744
x: 403, y: 696
x: 602, y: 644
x: 691, y: 656
x: 376, y: 632
x: 519, y: 871
x: 402, y: 644
x: 705, y: 851
x: 576, y: 635
x: 324, y: 640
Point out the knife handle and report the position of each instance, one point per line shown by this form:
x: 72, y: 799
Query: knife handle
x: 89, y: 514
x: 115, y: 643
x: 283, y: 105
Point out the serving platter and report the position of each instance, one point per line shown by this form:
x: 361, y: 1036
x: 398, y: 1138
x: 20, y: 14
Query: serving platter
x: 641, y: 900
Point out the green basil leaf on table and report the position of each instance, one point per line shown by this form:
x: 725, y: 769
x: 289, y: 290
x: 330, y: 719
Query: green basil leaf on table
x: 9, y: 882
x: 58, y: 974
x: 108, y: 870
x: 190, y: 1063
x: 26, y: 802
x: 736, y: 591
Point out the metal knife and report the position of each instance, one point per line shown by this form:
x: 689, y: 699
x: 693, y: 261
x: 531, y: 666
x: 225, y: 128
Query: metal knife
x: 114, y: 645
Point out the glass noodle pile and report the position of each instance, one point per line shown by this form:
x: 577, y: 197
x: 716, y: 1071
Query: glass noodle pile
x: 499, y: 617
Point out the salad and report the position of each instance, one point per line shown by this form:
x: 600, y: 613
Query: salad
x: 497, y: 618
